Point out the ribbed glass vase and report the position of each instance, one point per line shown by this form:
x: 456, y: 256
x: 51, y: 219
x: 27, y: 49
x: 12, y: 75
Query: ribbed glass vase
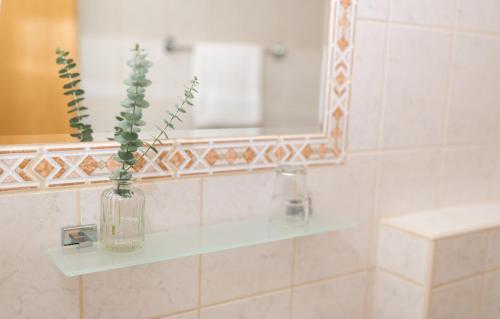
x: 122, y: 217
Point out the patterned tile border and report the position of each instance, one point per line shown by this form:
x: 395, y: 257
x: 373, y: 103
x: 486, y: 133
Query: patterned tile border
x: 54, y: 166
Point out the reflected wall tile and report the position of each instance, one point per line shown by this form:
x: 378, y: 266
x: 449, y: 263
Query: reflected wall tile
x: 143, y: 291
x: 457, y: 301
x: 493, y: 253
x: 404, y: 254
x: 475, y: 97
x: 395, y: 298
x: 479, y: 15
x: 408, y: 182
x: 424, y: 12
x: 231, y: 198
x: 169, y: 204
x: 30, y: 285
x: 245, y: 271
x: 416, y: 88
x: 490, y: 307
x: 338, y: 298
x: 459, y: 257
x: 272, y: 306
x: 467, y: 176
x: 367, y: 85
x: 351, y: 188
x: 373, y: 9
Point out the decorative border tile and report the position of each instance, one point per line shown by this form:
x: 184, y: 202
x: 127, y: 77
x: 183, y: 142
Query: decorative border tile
x: 53, y: 166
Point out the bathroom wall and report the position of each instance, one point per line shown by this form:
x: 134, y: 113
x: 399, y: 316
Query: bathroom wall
x: 423, y: 133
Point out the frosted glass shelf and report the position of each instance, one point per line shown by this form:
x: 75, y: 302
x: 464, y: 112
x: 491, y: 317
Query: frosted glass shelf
x: 73, y: 261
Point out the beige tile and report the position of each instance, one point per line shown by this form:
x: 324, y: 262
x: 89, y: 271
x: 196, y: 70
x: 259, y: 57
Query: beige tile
x: 30, y: 285
x: 373, y: 9
x: 474, y: 108
x: 424, y: 12
x: 459, y: 257
x: 230, y: 198
x: 481, y: 15
x: 408, y: 182
x: 144, y: 291
x: 273, y: 306
x: 416, y: 88
x: 343, y: 297
x: 345, y: 191
x: 395, y: 298
x: 467, y: 176
x: 449, y: 221
x: 169, y: 204
x: 490, y: 307
x: 404, y: 254
x: 246, y: 271
x: 367, y: 85
x: 456, y: 301
x: 493, y: 253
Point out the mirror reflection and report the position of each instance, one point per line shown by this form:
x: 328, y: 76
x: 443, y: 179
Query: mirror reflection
x: 260, y: 64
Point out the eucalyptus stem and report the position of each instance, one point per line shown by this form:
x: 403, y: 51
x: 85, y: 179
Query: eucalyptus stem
x: 168, y: 124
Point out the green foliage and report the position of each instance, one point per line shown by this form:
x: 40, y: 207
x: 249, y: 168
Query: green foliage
x: 130, y: 120
x: 72, y: 88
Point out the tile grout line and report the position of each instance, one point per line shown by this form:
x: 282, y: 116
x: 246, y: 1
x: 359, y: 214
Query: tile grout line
x: 429, y: 280
x: 446, y: 121
x: 435, y: 28
x: 292, y: 275
x: 200, y: 257
x: 378, y: 165
x: 489, y: 240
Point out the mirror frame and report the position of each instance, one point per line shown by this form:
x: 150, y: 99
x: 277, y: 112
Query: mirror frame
x: 47, y: 166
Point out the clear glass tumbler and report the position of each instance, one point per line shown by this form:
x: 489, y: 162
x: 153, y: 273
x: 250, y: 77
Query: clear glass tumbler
x: 122, y: 217
x: 290, y: 203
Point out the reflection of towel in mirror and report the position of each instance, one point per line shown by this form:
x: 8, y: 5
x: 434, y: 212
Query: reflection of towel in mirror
x: 230, y: 85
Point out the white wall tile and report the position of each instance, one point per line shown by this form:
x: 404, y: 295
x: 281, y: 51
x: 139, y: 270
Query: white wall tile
x: 231, y: 198
x: 424, y: 12
x: 467, y: 176
x: 30, y: 285
x: 490, y: 307
x: 408, y: 182
x: 143, y: 292
x: 404, y: 254
x: 416, y: 88
x: 475, y: 97
x: 456, y: 301
x: 493, y: 253
x: 351, y: 188
x: 481, y: 15
x: 339, y: 298
x: 246, y: 271
x: 367, y: 85
x: 395, y: 298
x: 273, y: 306
x: 459, y: 257
x: 373, y: 9
x: 169, y: 204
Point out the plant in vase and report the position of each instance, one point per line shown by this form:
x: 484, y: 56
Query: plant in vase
x: 122, y: 206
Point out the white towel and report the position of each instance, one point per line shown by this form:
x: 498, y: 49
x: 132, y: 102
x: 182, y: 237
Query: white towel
x: 230, y: 85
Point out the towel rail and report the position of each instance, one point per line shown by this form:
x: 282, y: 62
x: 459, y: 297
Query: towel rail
x: 277, y: 50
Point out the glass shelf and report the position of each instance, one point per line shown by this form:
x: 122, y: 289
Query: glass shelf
x: 74, y: 261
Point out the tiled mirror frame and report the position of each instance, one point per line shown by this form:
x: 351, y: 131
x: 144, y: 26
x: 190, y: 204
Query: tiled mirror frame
x: 36, y: 167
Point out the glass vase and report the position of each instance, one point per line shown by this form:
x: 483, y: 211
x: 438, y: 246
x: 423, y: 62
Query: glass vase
x: 122, y: 217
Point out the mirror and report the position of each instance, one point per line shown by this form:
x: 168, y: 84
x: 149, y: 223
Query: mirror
x: 260, y: 63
